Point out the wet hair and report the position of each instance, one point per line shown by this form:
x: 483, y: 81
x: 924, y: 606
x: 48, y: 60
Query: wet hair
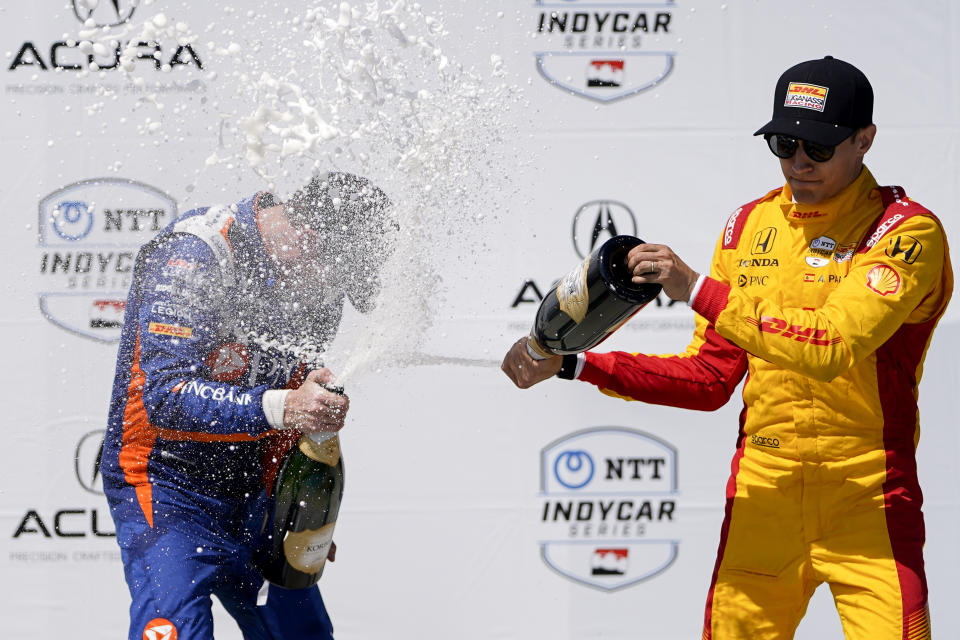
x: 341, y: 205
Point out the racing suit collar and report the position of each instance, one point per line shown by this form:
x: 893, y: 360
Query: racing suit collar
x: 830, y: 209
x: 249, y: 242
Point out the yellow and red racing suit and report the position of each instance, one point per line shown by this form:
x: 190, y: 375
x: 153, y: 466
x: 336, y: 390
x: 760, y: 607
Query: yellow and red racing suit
x: 829, y: 310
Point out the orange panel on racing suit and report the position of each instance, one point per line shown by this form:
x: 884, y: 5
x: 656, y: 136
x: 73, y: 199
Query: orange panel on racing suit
x: 829, y: 309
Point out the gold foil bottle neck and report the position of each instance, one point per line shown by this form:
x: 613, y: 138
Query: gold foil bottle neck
x: 327, y: 452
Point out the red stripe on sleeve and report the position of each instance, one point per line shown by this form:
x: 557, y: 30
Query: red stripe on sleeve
x: 703, y: 381
x: 711, y: 299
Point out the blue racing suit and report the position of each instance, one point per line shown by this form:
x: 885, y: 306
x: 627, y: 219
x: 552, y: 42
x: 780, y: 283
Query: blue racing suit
x: 189, y: 453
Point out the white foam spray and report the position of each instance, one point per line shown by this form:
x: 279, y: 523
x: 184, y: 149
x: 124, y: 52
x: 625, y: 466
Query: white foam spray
x: 365, y: 88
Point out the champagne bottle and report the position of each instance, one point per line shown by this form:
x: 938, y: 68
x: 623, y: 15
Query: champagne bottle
x: 306, y: 498
x: 592, y: 301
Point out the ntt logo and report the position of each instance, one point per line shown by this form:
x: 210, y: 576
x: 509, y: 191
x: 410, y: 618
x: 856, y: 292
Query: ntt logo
x: 608, y: 507
x: 573, y: 469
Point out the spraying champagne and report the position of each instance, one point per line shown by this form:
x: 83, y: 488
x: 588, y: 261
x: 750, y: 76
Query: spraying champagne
x: 592, y: 301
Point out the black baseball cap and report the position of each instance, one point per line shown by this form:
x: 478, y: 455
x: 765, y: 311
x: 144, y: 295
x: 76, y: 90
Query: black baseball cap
x: 823, y: 101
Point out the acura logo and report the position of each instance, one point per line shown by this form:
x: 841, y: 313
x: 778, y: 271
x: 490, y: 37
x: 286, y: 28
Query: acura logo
x: 87, y: 461
x: 599, y: 220
x: 105, y: 13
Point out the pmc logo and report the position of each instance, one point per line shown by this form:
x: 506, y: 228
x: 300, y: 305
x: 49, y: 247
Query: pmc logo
x: 104, y: 14
x: 599, y: 220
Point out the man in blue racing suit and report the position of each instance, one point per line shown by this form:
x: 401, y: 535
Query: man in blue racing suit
x: 229, y: 311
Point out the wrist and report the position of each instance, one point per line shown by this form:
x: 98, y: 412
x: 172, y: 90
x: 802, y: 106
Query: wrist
x: 571, y: 367
x: 274, y: 407
x: 694, y: 289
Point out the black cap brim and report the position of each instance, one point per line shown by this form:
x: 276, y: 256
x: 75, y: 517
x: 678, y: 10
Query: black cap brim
x: 819, y: 132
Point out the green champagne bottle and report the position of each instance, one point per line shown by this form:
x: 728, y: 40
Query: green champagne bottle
x: 299, y: 525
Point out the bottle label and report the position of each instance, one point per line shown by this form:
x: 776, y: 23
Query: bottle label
x: 307, y: 550
x: 572, y: 292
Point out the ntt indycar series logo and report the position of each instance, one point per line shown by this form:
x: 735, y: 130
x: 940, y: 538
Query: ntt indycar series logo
x: 609, y: 507
x: 89, y: 234
x: 604, y: 51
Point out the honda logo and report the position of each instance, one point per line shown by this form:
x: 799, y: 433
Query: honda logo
x: 763, y: 241
x: 907, y: 248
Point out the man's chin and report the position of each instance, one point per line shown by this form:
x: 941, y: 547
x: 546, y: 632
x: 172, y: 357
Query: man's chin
x: 805, y: 195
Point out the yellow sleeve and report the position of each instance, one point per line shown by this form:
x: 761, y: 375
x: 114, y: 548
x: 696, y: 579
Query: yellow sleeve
x: 880, y: 293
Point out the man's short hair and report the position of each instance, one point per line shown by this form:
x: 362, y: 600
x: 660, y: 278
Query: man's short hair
x: 342, y: 205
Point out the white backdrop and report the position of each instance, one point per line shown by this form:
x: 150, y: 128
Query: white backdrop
x: 449, y: 467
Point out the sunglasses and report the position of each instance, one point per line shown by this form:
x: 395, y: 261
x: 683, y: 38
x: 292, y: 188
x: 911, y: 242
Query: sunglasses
x: 785, y: 147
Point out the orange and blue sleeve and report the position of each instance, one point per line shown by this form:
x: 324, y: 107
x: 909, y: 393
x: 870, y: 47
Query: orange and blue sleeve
x: 179, y: 321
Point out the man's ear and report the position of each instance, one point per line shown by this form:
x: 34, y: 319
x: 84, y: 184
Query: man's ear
x: 864, y: 138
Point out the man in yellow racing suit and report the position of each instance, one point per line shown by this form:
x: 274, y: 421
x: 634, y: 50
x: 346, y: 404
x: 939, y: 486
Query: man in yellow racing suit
x: 825, y: 292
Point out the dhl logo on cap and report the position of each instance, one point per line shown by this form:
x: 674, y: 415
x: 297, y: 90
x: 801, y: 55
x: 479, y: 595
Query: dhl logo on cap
x: 806, y: 96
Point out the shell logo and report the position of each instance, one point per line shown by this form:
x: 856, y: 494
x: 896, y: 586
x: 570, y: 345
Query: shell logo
x: 160, y: 629
x: 884, y: 280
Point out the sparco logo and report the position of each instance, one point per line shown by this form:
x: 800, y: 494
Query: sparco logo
x: 89, y: 233
x: 104, y: 14
x: 609, y: 500
x: 603, y: 52
x: 765, y: 441
x: 885, y: 226
x: 599, y: 220
x: 731, y: 226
